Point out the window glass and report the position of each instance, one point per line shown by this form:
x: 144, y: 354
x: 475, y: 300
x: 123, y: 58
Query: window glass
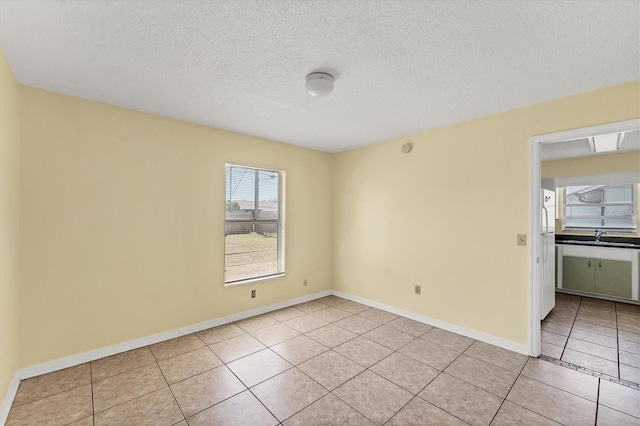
x: 603, y: 207
x: 253, y: 225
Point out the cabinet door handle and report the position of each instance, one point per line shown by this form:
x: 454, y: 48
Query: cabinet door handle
x: 599, y: 264
x: 589, y: 264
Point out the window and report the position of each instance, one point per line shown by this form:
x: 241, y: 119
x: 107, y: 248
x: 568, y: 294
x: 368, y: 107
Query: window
x: 603, y: 207
x: 254, y: 226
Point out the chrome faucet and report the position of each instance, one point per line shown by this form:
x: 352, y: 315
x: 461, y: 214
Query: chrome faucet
x: 598, y: 235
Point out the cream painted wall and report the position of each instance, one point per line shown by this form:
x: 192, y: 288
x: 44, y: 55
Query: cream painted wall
x: 122, y: 219
x: 122, y: 224
x: 597, y: 164
x: 594, y: 165
x: 438, y: 216
x: 9, y: 224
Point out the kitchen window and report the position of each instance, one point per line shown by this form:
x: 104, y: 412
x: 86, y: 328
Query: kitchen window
x: 610, y: 208
x: 254, y: 224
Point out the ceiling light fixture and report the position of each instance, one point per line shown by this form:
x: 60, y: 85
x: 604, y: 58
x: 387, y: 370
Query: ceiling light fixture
x: 606, y: 143
x: 319, y: 84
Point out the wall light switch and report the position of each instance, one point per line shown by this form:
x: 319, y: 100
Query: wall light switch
x: 522, y: 239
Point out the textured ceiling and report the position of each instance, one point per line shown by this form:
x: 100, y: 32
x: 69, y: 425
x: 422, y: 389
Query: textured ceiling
x: 581, y: 148
x: 400, y: 66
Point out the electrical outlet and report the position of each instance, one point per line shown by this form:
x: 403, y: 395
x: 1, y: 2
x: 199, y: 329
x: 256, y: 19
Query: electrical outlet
x: 253, y: 294
x: 522, y: 239
x: 418, y: 289
x: 304, y: 284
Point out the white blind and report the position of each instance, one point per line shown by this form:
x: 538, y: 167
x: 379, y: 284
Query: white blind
x: 604, y: 207
x: 252, y: 223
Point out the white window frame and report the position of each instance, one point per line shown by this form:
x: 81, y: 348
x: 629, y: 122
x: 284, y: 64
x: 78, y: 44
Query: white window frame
x: 631, y: 230
x: 280, y: 221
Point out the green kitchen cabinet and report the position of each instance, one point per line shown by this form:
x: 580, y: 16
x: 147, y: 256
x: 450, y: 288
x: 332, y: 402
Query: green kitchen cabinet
x: 613, y: 277
x: 578, y: 274
x: 607, y: 277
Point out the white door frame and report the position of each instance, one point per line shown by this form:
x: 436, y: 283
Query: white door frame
x: 534, y: 212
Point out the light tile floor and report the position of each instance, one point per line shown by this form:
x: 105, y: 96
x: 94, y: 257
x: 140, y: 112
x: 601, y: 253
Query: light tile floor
x: 597, y: 335
x: 325, y: 362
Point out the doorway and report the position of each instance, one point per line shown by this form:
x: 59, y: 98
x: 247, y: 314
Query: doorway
x: 535, y: 208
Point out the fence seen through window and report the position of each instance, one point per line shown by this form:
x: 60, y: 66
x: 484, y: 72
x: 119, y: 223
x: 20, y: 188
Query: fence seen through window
x: 253, y: 224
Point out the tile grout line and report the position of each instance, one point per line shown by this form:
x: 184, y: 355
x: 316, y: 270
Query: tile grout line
x: 248, y: 389
x: 530, y: 410
x: 593, y: 343
x: 366, y: 332
x: 126, y: 371
x: 587, y: 331
x: 416, y: 395
x: 421, y: 399
x: 329, y: 392
x: 560, y: 389
x: 55, y: 393
x: 93, y: 405
x: 219, y: 402
x: 590, y: 371
x: 510, y: 389
x: 464, y: 352
x: 474, y: 357
x: 260, y: 401
x: 156, y: 362
x: 91, y: 383
x: 597, y: 401
x: 337, y: 396
x: 463, y: 381
x: 378, y: 325
x: 129, y: 400
x: 443, y: 372
x: 615, y: 308
x: 612, y: 329
x: 358, y: 374
x: 174, y: 398
x: 571, y: 331
x: 300, y: 334
x: 282, y: 372
x: 165, y: 379
x: 224, y: 364
x: 593, y: 355
x: 49, y: 396
x: 392, y: 353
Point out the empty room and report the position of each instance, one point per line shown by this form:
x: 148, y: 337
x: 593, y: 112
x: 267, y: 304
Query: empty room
x: 322, y: 212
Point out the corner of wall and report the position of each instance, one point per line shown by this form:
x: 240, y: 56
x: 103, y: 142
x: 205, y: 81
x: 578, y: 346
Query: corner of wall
x: 10, y: 139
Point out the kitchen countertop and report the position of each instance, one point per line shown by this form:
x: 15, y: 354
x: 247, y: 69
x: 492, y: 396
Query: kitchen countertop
x: 605, y: 241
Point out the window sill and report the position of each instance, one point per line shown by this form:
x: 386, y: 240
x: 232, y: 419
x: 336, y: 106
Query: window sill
x: 254, y: 280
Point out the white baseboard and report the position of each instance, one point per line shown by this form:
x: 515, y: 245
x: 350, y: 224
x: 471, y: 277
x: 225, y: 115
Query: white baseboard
x: 474, y: 334
x: 73, y: 360
x: 8, y: 399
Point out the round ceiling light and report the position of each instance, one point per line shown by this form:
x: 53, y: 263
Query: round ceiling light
x: 319, y: 84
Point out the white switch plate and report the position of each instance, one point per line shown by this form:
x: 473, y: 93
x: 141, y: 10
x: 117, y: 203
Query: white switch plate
x: 522, y: 239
